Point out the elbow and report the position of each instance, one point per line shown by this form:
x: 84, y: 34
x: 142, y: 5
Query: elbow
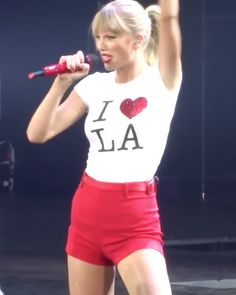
x: 35, y: 139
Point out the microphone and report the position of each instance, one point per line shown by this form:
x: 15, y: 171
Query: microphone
x: 55, y: 69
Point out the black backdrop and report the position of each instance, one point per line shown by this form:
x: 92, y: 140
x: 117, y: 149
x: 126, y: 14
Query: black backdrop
x: 200, y: 155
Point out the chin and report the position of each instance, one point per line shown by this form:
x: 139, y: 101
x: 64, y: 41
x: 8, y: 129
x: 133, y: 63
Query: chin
x: 109, y: 67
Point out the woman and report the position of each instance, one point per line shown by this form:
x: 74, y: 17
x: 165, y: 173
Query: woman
x: 115, y: 219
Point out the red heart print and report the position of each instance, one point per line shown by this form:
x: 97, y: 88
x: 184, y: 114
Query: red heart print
x: 131, y: 108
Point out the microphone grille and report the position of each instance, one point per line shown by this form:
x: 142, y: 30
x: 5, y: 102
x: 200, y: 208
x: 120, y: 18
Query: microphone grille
x: 92, y: 59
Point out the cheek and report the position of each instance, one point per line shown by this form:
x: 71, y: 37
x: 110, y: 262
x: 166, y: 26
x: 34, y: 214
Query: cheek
x: 124, y: 51
x: 121, y: 58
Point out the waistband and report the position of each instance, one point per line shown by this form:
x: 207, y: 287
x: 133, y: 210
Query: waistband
x: 149, y: 186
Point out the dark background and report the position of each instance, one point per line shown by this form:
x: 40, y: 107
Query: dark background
x: 199, y: 160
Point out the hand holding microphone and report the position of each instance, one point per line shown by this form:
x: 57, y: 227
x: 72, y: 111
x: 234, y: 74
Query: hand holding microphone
x: 68, y: 64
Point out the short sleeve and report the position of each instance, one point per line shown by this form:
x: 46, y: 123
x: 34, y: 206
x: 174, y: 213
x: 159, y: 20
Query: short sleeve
x: 85, y: 87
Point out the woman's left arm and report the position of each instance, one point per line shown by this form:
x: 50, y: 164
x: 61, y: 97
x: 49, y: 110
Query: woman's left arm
x: 169, y: 51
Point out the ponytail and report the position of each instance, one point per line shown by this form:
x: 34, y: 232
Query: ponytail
x: 152, y: 47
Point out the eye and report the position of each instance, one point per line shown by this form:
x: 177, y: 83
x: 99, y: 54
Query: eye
x: 111, y: 37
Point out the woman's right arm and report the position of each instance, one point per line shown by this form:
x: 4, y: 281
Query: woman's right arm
x: 52, y: 117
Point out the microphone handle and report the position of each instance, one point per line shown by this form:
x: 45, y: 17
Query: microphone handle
x: 55, y: 69
x: 49, y: 71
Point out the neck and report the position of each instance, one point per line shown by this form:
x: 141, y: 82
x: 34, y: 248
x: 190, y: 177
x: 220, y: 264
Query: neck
x: 130, y: 71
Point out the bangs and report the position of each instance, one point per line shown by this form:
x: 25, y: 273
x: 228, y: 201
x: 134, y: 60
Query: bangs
x: 108, y: 20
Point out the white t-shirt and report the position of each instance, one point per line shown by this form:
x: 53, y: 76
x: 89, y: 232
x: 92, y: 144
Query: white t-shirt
x: 127, y: 124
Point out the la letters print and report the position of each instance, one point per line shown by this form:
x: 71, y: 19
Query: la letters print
x: 130, y: 108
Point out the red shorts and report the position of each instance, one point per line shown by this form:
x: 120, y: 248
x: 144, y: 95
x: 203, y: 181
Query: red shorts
x: 109, y: 221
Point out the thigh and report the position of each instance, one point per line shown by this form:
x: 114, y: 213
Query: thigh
x: 90, y: 279
x: 144, y: 272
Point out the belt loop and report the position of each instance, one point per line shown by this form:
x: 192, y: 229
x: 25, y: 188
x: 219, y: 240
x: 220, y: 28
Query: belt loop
x: 151, y: 185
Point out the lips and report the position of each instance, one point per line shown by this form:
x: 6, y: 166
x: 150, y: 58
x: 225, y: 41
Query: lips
x: 106, y: 58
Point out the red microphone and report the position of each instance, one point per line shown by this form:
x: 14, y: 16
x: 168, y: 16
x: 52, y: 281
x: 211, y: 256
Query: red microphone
x: 55, y: 69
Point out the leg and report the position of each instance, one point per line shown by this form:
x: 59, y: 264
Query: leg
x: 90, y: 279
x: 144, y: 273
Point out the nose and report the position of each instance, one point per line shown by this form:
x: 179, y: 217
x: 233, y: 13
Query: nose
x: 100, y: 44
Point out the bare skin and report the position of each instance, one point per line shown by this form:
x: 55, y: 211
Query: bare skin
x: 144, y: 273
x: 89, y: 279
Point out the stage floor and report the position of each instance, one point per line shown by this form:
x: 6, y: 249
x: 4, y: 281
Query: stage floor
x: 33, y: 262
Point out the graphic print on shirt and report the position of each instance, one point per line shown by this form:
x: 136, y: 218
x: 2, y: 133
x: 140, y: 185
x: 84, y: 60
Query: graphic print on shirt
x: 129, y: 108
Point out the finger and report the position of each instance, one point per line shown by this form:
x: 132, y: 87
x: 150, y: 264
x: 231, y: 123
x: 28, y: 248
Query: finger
x: 84, y: 67
x: 80, y: 55
x: 72, y: 63
x: 75, y: 61
x: 63, y: 59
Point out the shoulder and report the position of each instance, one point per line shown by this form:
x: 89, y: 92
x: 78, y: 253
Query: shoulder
x: 96, y: 77
x: 93, y: 85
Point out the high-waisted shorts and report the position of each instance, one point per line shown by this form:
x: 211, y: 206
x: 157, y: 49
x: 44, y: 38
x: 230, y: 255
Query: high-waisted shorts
x: 109, y: 221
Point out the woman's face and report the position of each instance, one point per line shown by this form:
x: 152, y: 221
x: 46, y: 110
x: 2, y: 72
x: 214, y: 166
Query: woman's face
x: 117, y: 50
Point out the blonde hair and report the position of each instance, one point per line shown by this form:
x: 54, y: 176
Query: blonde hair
x: 131, y: 17
x: 154, y: 12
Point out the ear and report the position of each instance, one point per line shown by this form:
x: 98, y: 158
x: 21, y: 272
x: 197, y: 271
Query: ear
x: 138, y: 41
